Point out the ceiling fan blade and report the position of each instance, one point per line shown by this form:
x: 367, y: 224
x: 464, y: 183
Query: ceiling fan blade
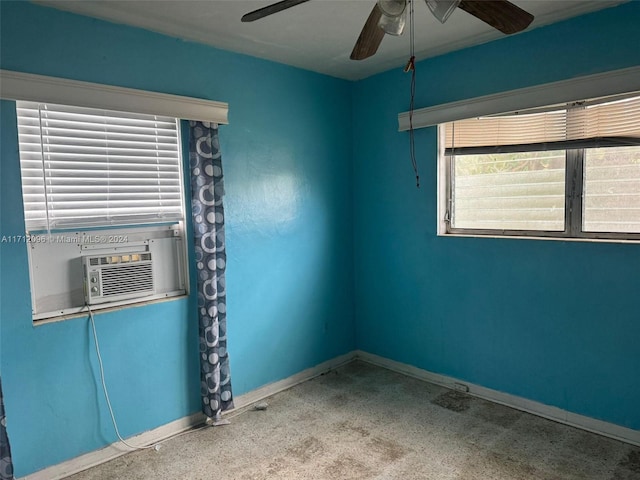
x: 270, y: 10
x: 500, y: 14
x: 370, y: 37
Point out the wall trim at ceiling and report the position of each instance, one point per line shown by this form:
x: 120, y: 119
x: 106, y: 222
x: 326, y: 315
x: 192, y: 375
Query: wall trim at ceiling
x: 564, y: 91
x: 40, y: 88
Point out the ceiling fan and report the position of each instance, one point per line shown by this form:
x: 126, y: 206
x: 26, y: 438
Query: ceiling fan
x: 389, y: 16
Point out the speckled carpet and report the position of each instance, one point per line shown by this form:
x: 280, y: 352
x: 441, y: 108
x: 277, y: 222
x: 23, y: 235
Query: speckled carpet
x: 366, y: 422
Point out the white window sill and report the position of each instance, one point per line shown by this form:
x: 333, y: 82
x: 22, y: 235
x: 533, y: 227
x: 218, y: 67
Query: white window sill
x: 71, y: 313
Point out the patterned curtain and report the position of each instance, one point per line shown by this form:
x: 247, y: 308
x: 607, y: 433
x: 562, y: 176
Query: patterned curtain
x: 6, y: 466
x: 207, y: 190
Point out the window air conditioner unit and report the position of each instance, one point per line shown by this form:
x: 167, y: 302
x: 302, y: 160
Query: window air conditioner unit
x: 115, y: 277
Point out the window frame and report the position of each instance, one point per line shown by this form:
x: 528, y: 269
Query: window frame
x: 81, y: 240
x: 167, y: 237
x: 574, y: 203
x: 21, y: 86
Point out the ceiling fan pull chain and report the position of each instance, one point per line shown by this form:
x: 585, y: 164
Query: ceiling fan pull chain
x: 411, y: 67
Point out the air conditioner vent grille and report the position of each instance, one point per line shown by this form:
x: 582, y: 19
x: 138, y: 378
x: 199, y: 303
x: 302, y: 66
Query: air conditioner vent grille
x: 127, y: 279
x: 119, y: 276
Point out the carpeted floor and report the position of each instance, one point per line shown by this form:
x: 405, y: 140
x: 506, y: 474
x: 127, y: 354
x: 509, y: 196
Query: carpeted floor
x: 365, y: 422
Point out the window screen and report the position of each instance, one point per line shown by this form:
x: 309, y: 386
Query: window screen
x: 509, y: 191
x: 612, y: 190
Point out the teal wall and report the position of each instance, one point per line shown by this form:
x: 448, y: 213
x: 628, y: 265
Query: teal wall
x: 288, y: 206
x: 553, y: 321
x: 331, y: 247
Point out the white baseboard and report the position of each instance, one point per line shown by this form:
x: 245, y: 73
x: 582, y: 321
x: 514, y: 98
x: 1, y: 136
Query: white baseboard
x: 600, y: 427
x: 281, y: 385
x: 91, y: 459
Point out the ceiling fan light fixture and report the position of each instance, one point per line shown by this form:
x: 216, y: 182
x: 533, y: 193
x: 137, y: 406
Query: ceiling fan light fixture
x: 393, y: 16
x: 442, y: 9
x: 392, y: 25
x: 392, y: 8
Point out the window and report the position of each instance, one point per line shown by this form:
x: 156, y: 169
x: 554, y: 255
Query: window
x: 561, y: 171
x: 100, y: 189
x: 85, y: 167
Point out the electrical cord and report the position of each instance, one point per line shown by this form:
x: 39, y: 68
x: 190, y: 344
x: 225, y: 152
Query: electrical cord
x: 106, y: 392
x: 411, y: 66
x: 156, y: 445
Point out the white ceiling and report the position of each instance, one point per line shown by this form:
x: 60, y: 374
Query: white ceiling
x: 318, y: 35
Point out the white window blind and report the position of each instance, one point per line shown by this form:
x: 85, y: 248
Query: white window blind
x: 508, y: 130
x: 84, y: 167
x: 597, y: 120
